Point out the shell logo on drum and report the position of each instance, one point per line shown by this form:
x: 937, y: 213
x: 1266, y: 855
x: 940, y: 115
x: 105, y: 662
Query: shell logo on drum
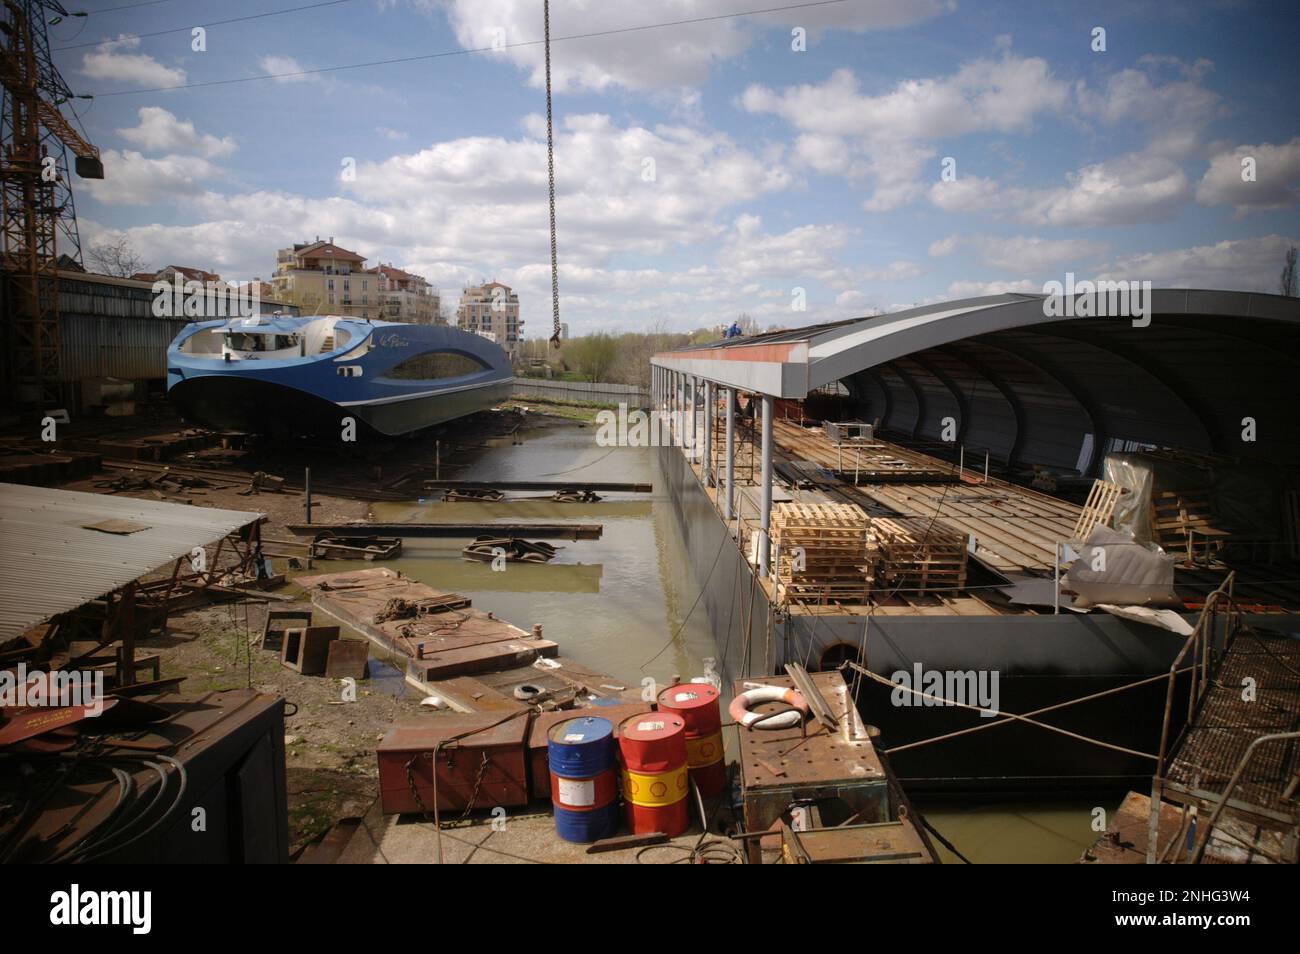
x: 655, y: 774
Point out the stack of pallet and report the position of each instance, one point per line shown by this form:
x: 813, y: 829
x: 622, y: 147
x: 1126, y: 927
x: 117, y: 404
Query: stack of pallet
x: 821, y: 553
x: 1183, y: 522
x: 919, y: 555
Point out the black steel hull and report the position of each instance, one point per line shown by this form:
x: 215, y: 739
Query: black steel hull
x: 259, y: 407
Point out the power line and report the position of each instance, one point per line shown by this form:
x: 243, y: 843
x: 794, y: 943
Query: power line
x: 214, y: 23
x: 125, y: 6
x: 482, y: 49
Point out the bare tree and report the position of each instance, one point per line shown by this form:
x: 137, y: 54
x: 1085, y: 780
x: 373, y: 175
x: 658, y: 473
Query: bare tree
x: 117, y: 258
x: 1289, y: 281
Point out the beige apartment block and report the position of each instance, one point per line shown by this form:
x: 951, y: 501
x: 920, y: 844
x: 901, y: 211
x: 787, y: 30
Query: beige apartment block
x: 322, y: 278
x: 492, y: 310
x: 405, y: 296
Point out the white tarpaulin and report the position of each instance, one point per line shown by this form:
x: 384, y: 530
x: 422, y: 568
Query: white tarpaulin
x: 1114, y: 568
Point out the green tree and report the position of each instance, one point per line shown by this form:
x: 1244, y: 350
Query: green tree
x: 594, y: 356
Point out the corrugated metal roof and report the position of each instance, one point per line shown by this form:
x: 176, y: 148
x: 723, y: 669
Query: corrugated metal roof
x: 50, y: 563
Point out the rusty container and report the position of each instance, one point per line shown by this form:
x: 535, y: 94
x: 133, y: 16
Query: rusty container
x: 479, y: 765
x: 696, y: 703
x: 656, y: 785
x: 584, y: 787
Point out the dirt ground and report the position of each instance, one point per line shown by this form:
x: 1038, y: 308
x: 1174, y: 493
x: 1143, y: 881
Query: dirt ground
x: 329, y: 743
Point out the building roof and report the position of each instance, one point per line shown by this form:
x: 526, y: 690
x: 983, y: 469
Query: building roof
x: 327, y: 250
x: 50, y: 562
x: 389, y: 271
x: 1033, y: 385
x: 474, y: 290
x: 196, y: 274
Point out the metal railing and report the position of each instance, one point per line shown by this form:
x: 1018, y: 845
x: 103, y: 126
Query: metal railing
x: 1201, y: 647
x: 1242, y: 765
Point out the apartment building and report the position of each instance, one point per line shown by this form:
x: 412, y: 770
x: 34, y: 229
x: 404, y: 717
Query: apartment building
x: 322, y: 278
x: 492, y: 310
x: 406, y: 297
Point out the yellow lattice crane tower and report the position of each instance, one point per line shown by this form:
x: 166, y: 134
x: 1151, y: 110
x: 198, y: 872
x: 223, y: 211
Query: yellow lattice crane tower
x: 39, y: 219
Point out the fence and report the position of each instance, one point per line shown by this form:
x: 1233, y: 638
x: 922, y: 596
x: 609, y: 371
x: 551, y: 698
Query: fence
x: 592, y: 392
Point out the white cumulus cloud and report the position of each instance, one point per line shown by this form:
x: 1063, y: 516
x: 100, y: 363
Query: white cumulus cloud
x: 160, y: 131
x: 111, y: 61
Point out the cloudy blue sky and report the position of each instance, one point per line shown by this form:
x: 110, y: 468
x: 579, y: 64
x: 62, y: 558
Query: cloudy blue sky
x: 703, y: 169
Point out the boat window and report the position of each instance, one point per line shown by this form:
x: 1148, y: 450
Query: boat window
x: 434, y: 365
x: 349, y: 371
x: 248, y: 341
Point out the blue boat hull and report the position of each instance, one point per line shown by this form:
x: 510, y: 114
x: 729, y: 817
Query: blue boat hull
x: 326, y: 377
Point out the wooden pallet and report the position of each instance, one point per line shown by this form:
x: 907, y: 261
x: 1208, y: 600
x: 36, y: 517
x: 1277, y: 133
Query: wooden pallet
x: 832, y: 539
x: 824, y: 592
x: 823, y: 531
x: 1185, y: 521
x: 1098, y: 509
x: 919, y: 555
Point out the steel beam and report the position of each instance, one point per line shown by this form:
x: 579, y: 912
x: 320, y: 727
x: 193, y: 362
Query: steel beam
x: 729, y: 509
x: 765, y: 514
x: 707, y: 464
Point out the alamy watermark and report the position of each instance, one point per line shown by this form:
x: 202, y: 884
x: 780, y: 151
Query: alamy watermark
x: 939, y: 687
x: 195, y: 299
x: 60, y: 688
x: 1099, y: 299
x: 639, y: 428
x: 74, y: 907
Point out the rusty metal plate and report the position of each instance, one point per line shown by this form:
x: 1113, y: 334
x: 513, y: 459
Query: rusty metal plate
x: 891, y: 842
x: 782, y: 758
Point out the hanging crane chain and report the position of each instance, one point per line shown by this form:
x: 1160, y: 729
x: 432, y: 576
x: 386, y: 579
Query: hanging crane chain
x: 550, y: 173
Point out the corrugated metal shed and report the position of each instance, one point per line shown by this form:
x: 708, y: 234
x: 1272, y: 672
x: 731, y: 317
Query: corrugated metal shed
x: 108, y: 328
x: 51, y: 563
x: 1033, y: 387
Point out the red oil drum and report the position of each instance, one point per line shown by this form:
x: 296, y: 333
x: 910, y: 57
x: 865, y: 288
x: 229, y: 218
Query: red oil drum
x: 697, y: 705
x: 656, y: 784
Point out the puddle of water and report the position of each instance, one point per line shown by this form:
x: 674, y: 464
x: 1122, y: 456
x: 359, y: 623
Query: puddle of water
x: 388, y: 679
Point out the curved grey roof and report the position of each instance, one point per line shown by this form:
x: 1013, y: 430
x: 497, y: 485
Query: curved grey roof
x: 1029, y: 385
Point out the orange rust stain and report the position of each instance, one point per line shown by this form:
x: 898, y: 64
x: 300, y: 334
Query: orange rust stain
x: 767, y: 352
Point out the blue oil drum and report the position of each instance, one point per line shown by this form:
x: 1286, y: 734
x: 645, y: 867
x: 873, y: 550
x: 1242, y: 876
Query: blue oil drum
x: 580, y: 748
x: 584, y: 782
x: 589, y: 826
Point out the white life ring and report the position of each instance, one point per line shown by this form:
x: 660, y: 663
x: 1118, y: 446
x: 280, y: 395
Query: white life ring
x: 739, y: 710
